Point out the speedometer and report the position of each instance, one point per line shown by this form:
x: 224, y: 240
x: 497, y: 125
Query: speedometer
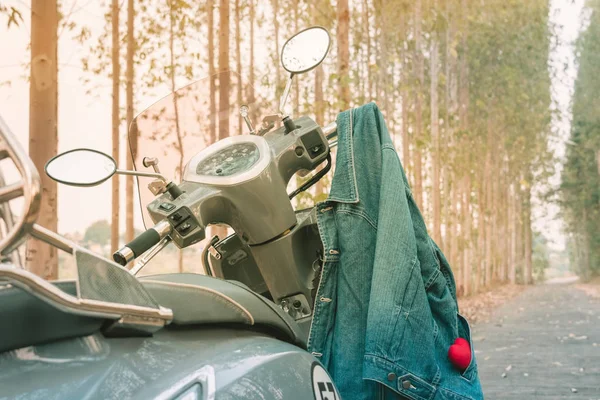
x: 229, y: 161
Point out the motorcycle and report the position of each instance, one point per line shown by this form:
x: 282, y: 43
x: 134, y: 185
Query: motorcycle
x: 238, y: 331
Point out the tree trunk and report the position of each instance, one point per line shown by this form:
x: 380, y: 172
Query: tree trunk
x: 296, y: 95
x: 276, y: 16
x: 435, y: 136
x: 488, y: 237
x: 453, y: 237
x: 210, y: 5
x: 519, y: 235
x: 238, y: 64
x: 487, y: 209
x: 507, y: 232
x: 512, y: 275
x: 251, y: 94
x: 175, y: 106
x: 343, y: 57
x: 405, y: 107
x: 43, y: 119
x: 221, y: 230
x: 384, y: 87
x: 319, y: 104
x: 467, y: 240
x: 116, y: 74
x: 528, y: 271
x: 129, y: 228
x: 223, y: 68
x: 480, y: 270
x: 418, y: 192
x: 585, y: 267
x: 367, y: 28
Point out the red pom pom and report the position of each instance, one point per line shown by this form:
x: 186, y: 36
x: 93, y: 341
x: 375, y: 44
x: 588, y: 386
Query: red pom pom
x: 460, y: 354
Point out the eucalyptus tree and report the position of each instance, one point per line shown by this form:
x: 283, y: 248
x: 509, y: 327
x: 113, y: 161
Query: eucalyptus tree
x: 581, y: 175
x: 116, y: 77
x: 43, y: 120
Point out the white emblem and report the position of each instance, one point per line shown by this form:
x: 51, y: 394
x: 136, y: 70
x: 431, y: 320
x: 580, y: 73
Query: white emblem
x: 323, y: 386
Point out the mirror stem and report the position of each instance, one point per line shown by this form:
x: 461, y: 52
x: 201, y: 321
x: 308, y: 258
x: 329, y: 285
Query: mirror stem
x: 139, y: 173
x: 286, y: 93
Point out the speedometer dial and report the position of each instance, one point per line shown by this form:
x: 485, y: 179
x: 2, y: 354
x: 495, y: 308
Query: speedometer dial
x: 229, y: 161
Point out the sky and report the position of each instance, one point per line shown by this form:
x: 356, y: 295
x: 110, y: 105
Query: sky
x: 85, y: 121
x: 567, y: 16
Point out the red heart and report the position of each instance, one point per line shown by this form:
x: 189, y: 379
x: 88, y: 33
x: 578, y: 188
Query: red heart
x: 460, y: 354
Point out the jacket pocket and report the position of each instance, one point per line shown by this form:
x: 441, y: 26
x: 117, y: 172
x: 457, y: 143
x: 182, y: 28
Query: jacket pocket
x: 464, y: 331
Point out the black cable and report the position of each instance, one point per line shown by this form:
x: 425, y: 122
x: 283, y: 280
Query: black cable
x: 312, y: 180
x: 205, y: 262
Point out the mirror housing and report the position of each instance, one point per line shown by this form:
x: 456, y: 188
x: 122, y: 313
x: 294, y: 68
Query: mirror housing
x: 301, y: 53
x: 305, y: 50
x: 81, y: 167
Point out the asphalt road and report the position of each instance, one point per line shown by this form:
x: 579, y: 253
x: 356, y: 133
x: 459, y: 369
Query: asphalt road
x: 543, y: 344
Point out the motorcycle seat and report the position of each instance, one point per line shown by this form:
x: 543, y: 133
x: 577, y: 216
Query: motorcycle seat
x: 195, y: 300
x: 200, y: 299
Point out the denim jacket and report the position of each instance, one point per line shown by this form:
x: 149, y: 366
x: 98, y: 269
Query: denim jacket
x: 386, y: 311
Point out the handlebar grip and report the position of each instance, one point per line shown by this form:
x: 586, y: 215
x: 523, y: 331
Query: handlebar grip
x: 142, y: 243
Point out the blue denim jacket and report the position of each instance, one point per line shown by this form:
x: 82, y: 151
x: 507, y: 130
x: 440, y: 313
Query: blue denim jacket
x: 386, y: 310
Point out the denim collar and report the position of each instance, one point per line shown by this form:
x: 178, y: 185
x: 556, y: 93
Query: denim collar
x: 343, y: 186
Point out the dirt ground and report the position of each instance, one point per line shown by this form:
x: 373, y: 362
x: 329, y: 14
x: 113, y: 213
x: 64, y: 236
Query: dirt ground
x: 478, y: 308
x: 591, y: 288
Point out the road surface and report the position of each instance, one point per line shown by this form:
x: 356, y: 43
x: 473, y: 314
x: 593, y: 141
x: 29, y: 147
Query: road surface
x: 543, y: 344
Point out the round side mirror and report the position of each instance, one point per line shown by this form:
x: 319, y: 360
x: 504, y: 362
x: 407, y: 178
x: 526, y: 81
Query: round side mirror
x: 81, y: 167
x: 305, y: 50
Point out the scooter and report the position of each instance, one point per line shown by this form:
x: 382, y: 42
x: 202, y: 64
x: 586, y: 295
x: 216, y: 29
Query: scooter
x: 239, y: 330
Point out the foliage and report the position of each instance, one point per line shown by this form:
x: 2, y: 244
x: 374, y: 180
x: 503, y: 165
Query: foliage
x: 13, y: 15
x: 541, y: 259
x: 581, y: 174
x: 463, y: 85
x: 98, y: 232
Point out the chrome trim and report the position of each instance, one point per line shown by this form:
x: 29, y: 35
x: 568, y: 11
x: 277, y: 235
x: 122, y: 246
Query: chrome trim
x: 258, y: 167
x: 52, y: 295
x: 128, y: 322
x: 163, y: 228
x: 30, y: 186
x: 53, y: 239
x: 330, y: 130
x: 216, y: 293
x: 205, y: 376
x: 9, y: 220
x: 11, y: 191
x: 126, y: 253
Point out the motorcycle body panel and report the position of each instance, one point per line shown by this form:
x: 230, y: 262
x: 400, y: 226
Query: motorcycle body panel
x: 176, y: 363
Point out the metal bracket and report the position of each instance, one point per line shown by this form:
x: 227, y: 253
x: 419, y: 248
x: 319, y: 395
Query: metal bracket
x: 214, y: 252
x: 268, y: 123
x: 157, y: 186
x: 296, y: 306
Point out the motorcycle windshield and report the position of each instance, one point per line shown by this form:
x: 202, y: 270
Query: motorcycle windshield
x: 178, y: 126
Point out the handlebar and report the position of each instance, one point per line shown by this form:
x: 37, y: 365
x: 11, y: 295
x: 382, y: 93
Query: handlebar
x: 142, y: 243
x: 330, y: 131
